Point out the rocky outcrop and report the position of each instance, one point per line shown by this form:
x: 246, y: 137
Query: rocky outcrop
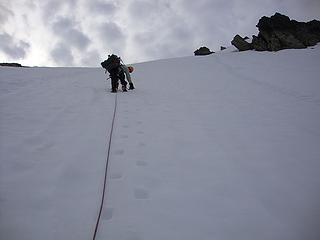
x: 259, y: 44
x: 279, y: 32
x: 241, y: 43
x: 307, y: 33
x: 202, y: 51
x: 10, y: 64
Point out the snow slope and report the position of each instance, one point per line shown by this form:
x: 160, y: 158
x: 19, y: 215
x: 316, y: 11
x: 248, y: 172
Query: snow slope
x: 225, y: 146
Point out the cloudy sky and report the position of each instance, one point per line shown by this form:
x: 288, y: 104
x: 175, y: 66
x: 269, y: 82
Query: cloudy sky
x: 84, y: 32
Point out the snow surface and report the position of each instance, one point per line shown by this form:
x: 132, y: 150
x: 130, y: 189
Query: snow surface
x: 225, y: 146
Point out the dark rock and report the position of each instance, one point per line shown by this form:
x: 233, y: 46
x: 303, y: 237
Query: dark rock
x: 222, y: 48
x: 259, y: 44
x: 281, y: 22
x: 314, y: 27
x: 279, y: 32
x: 307, y: 33
x: 202, y: 51
x: 278, y: 40
x: 275, y: 22
x: 264, y: 24
x: 10, y: 64
x: 273, y: 43
x: 288, y: 40
x: 240, y: 43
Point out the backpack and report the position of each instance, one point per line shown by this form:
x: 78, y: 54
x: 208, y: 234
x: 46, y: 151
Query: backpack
x: 112, y: 62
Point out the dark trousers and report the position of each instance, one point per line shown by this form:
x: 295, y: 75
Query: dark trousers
x: 115, y: 76
x: 122, y: 78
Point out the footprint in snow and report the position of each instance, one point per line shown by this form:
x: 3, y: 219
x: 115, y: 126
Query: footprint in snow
x: 141, y: 163
x: 107, y: 213
x: 44, y: 147
x: 131, y: 235
x: 140, y: 193
x: 116, y: 175
x: 37, y: 140
x: 119, y: 152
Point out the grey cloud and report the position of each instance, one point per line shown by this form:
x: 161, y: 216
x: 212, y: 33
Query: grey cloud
x: 176, y: 41
x: 65, y: 28
x: 144, y: 43
x: 91, y: 58
x: 159, y: 51
x: 203, y: 6
x: 142, y: 9
x: 148, y: 12
x: 31, y: 4
x: 145, y: 38
x: 62, y: 24
x: 180, y: 38
x: 13, y: 48
x: 112, y: 37
x: 169, y: 34
x: 214, y: 23
x: 111, y: 31
x: 62, y: 55
x: 209, y: 14
x: 53, y: 8
x: 305, y: 10
x: 50, y: 9
x: 5, y: 13
x: 103, y: 7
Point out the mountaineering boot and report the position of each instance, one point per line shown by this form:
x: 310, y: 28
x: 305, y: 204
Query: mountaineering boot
x: 124, y: 88
x: 114, y: 90
x: 131, y: 87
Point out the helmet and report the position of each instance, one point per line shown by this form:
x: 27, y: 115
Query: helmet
x: 130, y: 68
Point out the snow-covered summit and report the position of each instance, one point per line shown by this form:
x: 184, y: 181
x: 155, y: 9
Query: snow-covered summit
x: 225, y: 146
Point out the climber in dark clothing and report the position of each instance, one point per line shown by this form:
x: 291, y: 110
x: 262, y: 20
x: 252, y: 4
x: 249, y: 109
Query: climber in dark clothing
x: 116, y: 75
x: 118, y: 72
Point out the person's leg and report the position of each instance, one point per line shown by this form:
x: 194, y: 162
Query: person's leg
x: 131, y: 87
x: 114, y: 79
x: 114, y: 84
x: 123, y: 81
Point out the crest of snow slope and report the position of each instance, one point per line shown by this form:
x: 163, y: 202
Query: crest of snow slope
x: 218, y: 147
